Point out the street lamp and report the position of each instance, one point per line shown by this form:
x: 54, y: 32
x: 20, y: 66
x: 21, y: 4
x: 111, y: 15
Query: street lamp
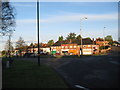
x: 38, y: 31
x: 104, y: 38
x: 81, y: 32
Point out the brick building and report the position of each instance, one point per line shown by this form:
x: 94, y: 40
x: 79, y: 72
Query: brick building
x: 74, y: 47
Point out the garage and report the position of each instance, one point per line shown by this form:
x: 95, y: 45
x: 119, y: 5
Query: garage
x: 87, y: 51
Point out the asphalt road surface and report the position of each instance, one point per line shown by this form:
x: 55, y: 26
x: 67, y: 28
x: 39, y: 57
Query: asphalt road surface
x: 93, y: 72
x: 87, y: 72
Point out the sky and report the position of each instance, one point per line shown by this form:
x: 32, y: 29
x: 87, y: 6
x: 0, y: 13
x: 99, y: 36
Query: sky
x: 61, y: 18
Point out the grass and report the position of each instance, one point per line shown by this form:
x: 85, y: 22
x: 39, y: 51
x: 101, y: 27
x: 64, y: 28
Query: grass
x: 27, y: 74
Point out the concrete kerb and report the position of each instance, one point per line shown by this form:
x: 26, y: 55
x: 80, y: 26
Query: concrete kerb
x: 64, y: 77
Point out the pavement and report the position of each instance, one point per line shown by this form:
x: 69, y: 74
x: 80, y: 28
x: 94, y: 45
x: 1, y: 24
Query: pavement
x: 87, y: 72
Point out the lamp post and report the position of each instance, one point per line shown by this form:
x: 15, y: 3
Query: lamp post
x: 81, y: 32
x: 104, y: 38
x: 38, y: 31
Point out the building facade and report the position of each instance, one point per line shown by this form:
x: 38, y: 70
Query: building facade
x: 74, y: 47
x: 68, y: 47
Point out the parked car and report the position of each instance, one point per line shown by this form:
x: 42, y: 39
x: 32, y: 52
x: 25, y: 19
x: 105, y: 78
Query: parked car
x: 44, y: 53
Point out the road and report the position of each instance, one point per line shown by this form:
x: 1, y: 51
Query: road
x: 88, y: 72
x: 93, y: 72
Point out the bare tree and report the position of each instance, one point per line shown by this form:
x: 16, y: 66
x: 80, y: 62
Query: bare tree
x: 20, y: 44
x: 9, y: 46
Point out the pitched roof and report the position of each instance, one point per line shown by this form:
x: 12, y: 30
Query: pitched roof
x: 85, y: 41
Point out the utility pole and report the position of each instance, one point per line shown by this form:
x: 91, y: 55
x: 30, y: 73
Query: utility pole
x: 81, y: 48
x: 9, y: 34
x: 9, y: 51
x: 38, y: 32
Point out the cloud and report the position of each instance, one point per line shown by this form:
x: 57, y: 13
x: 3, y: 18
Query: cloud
x: 30, y: 41
x: 27, y: 21
x: 64, y: 0
x: 2, y: 41
x: 24, y: 4
x: 14, y: 41
x: 76, y: 17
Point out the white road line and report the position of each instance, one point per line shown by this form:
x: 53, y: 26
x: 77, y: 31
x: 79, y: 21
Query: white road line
x: 84, y: 88
x: 63, y: 64
x: 115, y: 62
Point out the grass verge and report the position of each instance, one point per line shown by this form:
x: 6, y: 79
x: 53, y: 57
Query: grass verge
x: 27, y: 74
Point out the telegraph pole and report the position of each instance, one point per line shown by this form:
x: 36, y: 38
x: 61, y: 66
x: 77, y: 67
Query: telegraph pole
x: 9, y: 34
x: 9, y: 46
x: 38, y: 31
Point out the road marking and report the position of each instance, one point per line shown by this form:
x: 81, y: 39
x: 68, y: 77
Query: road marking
x: 84, y: 88
x: 115, y: 62
x: 63, y: 64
